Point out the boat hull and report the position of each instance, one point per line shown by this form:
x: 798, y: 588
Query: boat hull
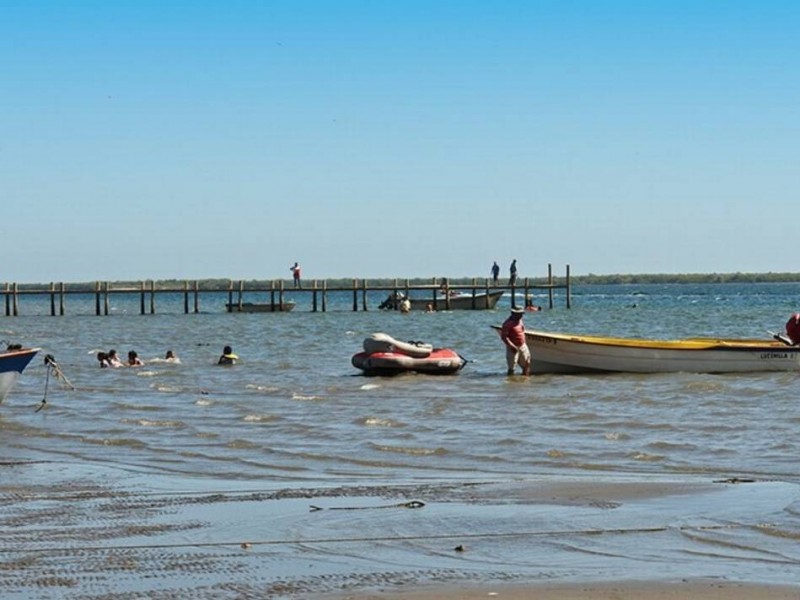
x: 458, y: 302
x: 563, y: 353
x: 252, y: 307
x: 12, y: 364
x: 441, y: 361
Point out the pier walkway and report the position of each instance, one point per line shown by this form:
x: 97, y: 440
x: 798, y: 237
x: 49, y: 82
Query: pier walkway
x: 438, y: 292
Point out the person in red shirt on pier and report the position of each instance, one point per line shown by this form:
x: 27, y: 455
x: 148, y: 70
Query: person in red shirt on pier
x: 295, y: 269
x: 513, y: 335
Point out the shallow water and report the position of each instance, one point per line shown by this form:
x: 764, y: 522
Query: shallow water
x: 294, y: 415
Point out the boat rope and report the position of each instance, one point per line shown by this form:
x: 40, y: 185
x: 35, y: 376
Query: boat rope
x: 378, y: 539
x: 409, y: 504
x: 55, y: 370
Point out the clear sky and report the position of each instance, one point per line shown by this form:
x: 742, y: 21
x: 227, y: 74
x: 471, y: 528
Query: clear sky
x: 366, y: 138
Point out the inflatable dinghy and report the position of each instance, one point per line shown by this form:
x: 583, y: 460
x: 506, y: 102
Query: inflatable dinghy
x: 384, y: 355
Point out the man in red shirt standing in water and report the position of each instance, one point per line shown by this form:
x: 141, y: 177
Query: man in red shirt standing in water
x: 793, y: 329
x: 513, y: 335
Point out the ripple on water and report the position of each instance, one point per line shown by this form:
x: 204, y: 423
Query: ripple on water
x: 260, y: 418
x: 117, y: 442
x: 242, y: 445
x: 296, y: 396
x: 262, y: 388
x: 147, y: 373
x: 411, y: 451
x: 378, y: 422
x: 155, y: 423
x: 646, y: 457
x: 168, y: 389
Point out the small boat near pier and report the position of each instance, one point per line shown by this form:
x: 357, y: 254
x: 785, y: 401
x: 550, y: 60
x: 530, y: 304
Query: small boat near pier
x: 253, y: 307
x: 453, y: 301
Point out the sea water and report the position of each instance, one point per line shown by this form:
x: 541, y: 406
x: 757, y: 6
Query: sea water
x: 295, y: 427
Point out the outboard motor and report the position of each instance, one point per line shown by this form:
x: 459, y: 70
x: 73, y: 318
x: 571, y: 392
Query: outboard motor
x: 793, y: 329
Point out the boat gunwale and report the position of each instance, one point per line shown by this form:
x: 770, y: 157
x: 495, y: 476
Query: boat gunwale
x: 19, y: 352
x: 687, y: 344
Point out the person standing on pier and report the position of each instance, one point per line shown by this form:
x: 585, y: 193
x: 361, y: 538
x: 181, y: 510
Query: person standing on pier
x: 296, y: 275
x: 495, y: 273
x: 512, y: 273
x: 513, y: 335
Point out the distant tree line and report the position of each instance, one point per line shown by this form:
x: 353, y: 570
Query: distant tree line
x: 688, y: 278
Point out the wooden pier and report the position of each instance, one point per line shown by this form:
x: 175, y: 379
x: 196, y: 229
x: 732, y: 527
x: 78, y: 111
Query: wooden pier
x: 439, y: 292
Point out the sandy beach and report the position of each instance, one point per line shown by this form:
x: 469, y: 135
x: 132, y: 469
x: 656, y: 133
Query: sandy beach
x: 93, y: 532
x: 694, y: 590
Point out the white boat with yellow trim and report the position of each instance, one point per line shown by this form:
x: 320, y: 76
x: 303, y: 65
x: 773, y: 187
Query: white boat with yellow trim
x: 568, y: 353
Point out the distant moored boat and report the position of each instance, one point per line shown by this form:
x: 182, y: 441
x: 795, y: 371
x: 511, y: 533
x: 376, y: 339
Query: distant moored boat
x: 456, y: 301
x: 252, y: 307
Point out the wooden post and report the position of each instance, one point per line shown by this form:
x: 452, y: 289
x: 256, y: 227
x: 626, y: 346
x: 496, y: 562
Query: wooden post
x: 186, y: 297
x: 61, y: 299
x: 487, y: 294
x: 16, y: 300
x: 314, y: 296
x: 241, y: 293
x: 474, y: 293
x: 272, y: 295
x: 152, y: 296
x: 364, y: 296
x: 8, y: 301
x: 97, y: 287
x: 433, y: 281
x: 355, y: 295
x: 514, y: 294
x: 105, y: 299
x: 447, y: 293
x: 527, y: 293
x: 550, y: 283
x: 196, y: 296
x: 230, y: 295
x: 324, y: 295
x: 407, y: 290
x: 280, y: 296
x: 52, y: 299
x: 569, y: 291
x: 142, y: 286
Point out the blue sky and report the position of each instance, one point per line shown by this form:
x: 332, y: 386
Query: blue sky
x: 191, y: 139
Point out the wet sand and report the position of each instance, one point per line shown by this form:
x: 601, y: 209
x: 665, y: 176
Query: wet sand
x: 104, y: 533
x: 696, y: 590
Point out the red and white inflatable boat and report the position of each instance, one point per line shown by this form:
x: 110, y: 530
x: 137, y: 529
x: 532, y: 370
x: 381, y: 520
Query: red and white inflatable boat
x: 383, y: 355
